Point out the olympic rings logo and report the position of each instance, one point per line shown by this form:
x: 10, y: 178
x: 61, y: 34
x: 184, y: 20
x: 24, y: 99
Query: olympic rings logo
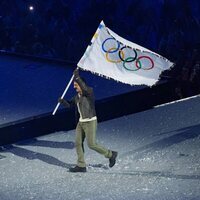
x: 121, y: 56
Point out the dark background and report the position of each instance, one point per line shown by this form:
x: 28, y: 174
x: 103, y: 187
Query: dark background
x: 62, y: 29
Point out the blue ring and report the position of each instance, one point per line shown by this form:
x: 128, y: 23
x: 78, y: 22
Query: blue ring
x: 113, y: 50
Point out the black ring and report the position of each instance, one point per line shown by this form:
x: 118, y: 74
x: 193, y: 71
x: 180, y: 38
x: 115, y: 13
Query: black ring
x: 133, y: 59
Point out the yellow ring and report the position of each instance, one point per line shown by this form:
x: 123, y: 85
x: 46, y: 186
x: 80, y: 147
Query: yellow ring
x: 114, y: 61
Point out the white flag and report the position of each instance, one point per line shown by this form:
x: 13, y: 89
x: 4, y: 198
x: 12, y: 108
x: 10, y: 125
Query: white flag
x: 112, y: 56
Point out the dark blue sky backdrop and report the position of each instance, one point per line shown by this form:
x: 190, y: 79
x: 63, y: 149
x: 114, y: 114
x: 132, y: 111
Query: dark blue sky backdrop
x: 63, y: 28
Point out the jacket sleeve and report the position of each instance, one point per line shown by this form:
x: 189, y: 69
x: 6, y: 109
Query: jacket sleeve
x: 86, y: 90
x: 70, y: 103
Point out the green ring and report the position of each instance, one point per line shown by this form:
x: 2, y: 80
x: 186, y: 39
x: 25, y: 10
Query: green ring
x: 130, y: 58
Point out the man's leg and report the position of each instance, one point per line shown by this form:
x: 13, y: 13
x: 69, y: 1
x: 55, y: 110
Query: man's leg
x: 80, y: 136
x: 90, y: 132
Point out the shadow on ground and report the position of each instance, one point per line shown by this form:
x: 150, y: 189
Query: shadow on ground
x: 183, y: 134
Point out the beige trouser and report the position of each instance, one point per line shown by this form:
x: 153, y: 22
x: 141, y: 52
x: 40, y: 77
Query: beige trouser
x: 88, y: 130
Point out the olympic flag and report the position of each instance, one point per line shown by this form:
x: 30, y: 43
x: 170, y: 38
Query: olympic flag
x: 112, y: 56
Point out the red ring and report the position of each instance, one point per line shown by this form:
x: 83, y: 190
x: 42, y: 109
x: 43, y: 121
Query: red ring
x: 137, y: 60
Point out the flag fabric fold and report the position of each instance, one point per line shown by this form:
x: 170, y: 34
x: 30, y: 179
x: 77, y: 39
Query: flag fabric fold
x: 112, y: 56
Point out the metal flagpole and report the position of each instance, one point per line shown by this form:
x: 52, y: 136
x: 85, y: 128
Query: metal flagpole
x: 58, y: 104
